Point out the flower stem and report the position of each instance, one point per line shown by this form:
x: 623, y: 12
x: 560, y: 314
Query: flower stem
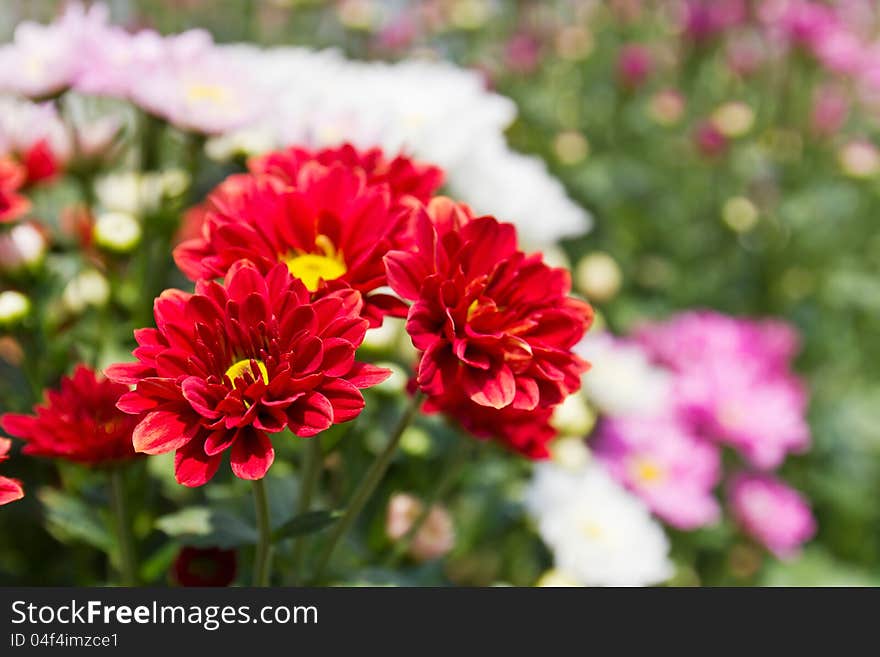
x: 450, y: 477
x: 368, y: 485
x: 263, y: 558
x: 311, y: 472
x: 127, y: 569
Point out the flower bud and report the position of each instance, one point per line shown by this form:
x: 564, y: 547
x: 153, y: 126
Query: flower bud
x: 118, y: 232
x: 22, y: 247
x: 666, y: 107
x: 740, y: 214
x: 598, y: 276
x: 573, y: 417
x: 14, y: 307
x: 434, y: 538
x: 733, y: 119
x: 88, y: 288
x: 859, y: 159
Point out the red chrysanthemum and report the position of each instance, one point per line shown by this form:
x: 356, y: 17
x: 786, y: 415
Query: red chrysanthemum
x: 330, y: 223
x: 10, y: 489
x: 12, y: 204
x: 525, y: 432
x: 495, y: 326
x: 204, y: 566
x: 404, y: 177
x: 40, y: 162
x: 237, y: 361
x: 78, y: 422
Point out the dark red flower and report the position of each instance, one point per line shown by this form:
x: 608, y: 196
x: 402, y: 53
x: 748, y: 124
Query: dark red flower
x: 326, y: 222
x: 404, y: 177
x: 40, y: 162
x: 495, y: 326
x: 634, y: 65
x: 204, y: 567
x: 237, y: 361
x: 12, y: 204
x: 78, y: 422
x: 10, y: 489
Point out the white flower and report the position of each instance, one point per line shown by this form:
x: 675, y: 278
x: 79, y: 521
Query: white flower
x: 622, y: 381
x: 600, y: 534
x: 88, y: 288
x: 433, y: 111
x: 116, y: 231
x: 14, y: 306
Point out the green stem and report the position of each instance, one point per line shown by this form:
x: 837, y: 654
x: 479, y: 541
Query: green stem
x: 127, y: 569
x: 451, y: 474
x: 311, y: 472
x: 263, y: 557
x: 367, y: 486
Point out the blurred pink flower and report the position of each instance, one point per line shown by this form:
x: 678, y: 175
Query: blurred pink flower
x: 709, y: 139
x: 769, y: 511
x: 745, y: 53
x: 210, y: 91
x: 704, y: 19
x: 43, y: 60
x: 830, y: 110
x: 634, y: 65
x: 522, y: 54
x: 434, y: 538
x: 732, y: 380
x: 118, y: 61
x: 665, y: 464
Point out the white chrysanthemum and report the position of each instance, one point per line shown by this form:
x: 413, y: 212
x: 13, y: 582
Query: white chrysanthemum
x: 433, y: 111
x: 600, y: 534
x: 622, y: 381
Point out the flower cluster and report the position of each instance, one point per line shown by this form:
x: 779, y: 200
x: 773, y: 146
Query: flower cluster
x: 494, y: 327
x: 719, y: 381
x: 329, y: 215
x: 258, y: 99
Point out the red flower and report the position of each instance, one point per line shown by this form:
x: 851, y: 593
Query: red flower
x: 404, y: 177
x: 40, y: 162
x: 78, y: 422
x: 12, y: 204
x: 10, y: 489
x: 240, y: 360
x: 494, y: 325
x: 204, y: 567
x: 327, y: 223
x: 525, y: 432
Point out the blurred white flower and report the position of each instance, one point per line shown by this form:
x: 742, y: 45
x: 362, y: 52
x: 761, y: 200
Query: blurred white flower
x: 119, y: 232
x: 600, y: 534
x: 24, y: 245
x: 14, y: 306
x: 573, y: 417
x: 88, y: 288
x: 622, y: 381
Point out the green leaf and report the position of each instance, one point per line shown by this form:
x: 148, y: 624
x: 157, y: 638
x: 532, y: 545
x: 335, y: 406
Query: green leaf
x: 201, y: 526
x: 306, y: 523
x: 68, y: 518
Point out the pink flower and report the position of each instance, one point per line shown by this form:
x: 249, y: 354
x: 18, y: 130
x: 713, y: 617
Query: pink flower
x: 732, y: 380
x: 522, y: 54
x: 665, y: 464
x: 775, y: 515
x: 43, y: 60
x: 709, y: 139
x: 704, y: 19
x: 830, y: 110
x: 634, y: 65
x: 208, y: 91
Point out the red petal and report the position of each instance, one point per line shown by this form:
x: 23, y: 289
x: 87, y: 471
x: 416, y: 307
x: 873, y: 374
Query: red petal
x: 490, y: 388
x: 310, y: 415
x: 364, y: 375
x: 347, y: 400
x: 252, y: 454
x: 192, y: 467
x: 10, y: 490
x: 162, y: 431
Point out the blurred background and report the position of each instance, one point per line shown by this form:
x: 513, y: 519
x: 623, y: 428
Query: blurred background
x: 729, y: 159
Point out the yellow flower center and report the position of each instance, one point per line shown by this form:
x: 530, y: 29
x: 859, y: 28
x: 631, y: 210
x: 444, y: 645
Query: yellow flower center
x: 647, y: 471
x: 592, y: 530
x: 242, y: 367
x: 212, y: 93
x: 312, y: 268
